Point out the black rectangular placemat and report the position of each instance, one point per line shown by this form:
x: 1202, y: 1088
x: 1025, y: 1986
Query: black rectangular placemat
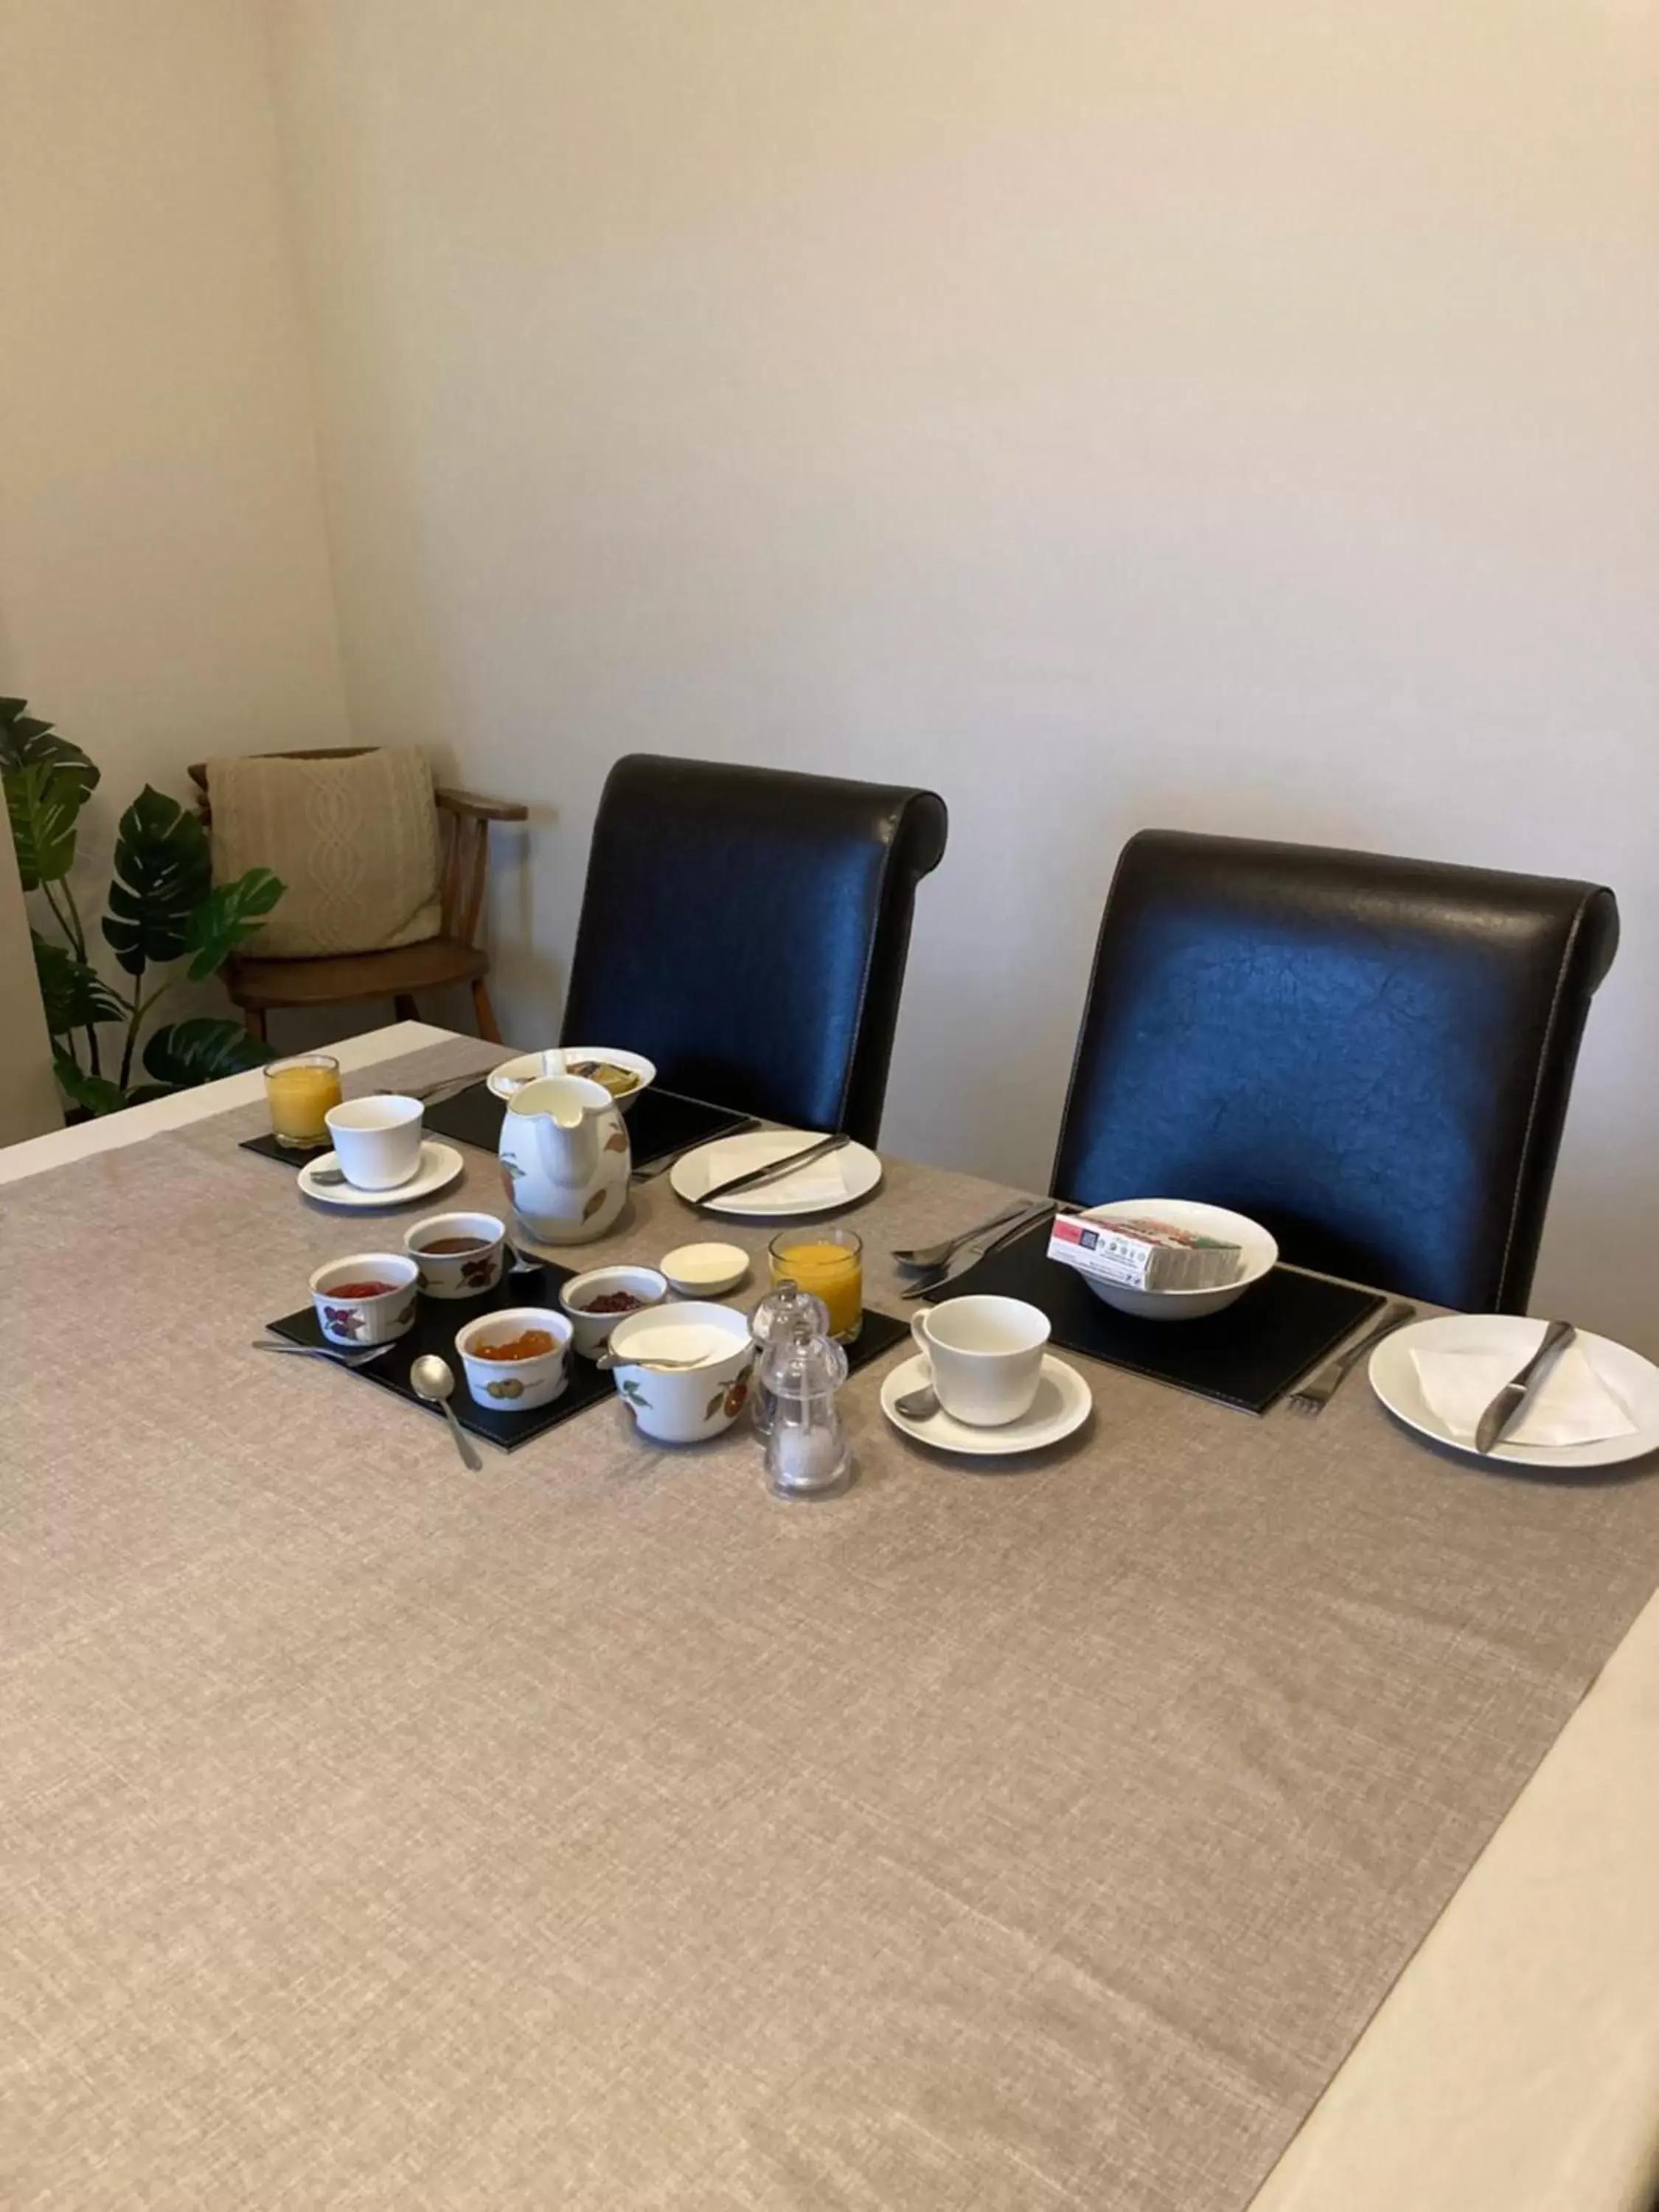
x: 659, y: 1121
x: 291, y: 1155
x: 1247, y: 1355
x: 437, y: 1320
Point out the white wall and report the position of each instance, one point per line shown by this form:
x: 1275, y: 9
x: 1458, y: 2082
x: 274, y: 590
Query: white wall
x: 164, y: 583
x: 28, y: 1094
x: 1243, y: 418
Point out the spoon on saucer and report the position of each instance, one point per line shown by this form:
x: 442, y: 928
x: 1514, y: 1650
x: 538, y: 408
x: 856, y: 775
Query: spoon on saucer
x: 918, y: 1405
x: 434, y: 1384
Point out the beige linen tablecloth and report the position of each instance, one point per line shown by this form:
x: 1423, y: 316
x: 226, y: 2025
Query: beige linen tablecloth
x: 596, y: 1831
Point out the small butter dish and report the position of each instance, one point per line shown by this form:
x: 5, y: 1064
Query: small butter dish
x: 705, y: 1271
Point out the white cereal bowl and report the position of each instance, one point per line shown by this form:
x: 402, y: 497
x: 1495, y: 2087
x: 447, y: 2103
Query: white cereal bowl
x: 1259, y: 1251
x: 683, y: 1405
x: 705, y: 1271
x: 366, y: 1321
x: 459, y: 1274
x: 592, y: 1329
x: 514, y: 1386
x: 567, y: 1059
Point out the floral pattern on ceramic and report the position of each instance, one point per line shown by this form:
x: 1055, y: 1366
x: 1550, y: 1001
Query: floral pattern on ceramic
x: 565, y: 1159
x: 361, y: 1322
x: 524, y: 1384
x: 460, y: 1274
x: 682, y: 1406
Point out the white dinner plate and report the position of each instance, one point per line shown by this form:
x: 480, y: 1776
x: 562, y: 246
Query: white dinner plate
x: 1061, y: 1404
x: 439, y: 1165
x: 723, y: 1158
x: 1632, y: 1380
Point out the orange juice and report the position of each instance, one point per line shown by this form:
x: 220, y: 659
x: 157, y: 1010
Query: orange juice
x: 830, y: 1263
x: 300, y: 1093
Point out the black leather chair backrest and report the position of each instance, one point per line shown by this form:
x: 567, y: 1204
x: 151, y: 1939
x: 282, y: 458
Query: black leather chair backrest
x: 1371, y: 1056
x: 747, y: 928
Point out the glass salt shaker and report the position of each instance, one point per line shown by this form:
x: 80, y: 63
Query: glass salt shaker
x: 806, y: 1453
x: 787, y: 1310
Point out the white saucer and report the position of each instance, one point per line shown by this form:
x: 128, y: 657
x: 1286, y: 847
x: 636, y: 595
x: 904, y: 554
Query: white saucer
x: 722, y: 1158
x: 439, y: 1165
x: 1631, y: 1379
x: 1060, y: 1405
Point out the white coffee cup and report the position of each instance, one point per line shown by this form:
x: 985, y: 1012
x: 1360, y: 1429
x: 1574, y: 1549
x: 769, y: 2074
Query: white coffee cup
x: 986, y: 1355
x: 377, y: 1141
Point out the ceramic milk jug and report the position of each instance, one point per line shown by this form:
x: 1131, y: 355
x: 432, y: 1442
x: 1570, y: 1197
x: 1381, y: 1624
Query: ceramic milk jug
x: 565, y: 1158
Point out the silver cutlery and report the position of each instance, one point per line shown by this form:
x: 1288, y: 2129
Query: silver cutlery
x: 325, y: 1177
x: 918, y: 1405
x: 774, y: 1171
x: 652, y: 1169
x: 360, y: 1358
x: 427, y: 1092
x: 1316, y: 1394
x: 927, y: 1257
x: 1507, y: 1408
x: 980, y: 1247
x: 433, y: 1382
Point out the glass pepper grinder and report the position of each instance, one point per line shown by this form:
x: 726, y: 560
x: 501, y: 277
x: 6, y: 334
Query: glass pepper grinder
x: 787, y: 1310
x: 806, y: 1455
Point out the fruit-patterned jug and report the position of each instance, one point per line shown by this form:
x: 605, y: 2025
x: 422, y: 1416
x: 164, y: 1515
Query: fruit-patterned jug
x: 565, y: 1159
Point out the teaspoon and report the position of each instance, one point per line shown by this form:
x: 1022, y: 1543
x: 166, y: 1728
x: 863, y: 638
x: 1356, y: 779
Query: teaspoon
x: 432, y: 1383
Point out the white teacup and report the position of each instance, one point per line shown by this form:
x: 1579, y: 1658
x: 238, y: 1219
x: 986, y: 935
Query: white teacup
x: 986, y: 1355
x: 377, y: 1141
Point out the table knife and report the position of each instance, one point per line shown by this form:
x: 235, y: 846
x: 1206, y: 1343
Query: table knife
x: 776, y: 1169
x: 980, y: 1247
x: 1508, y: 1406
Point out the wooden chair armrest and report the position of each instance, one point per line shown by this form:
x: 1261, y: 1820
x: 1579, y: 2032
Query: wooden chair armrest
x: 472, y: 808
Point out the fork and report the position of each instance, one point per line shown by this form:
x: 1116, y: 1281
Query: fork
x: 1316, y: 1394
x: 927, y: 1257
x: 980, y: 1247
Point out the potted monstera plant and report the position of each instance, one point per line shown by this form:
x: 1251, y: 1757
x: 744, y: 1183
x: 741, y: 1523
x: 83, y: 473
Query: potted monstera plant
x: 166, y: 917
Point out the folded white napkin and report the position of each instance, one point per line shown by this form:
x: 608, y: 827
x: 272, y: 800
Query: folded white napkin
x: 1572, y: 1405
x: 821, y: 1182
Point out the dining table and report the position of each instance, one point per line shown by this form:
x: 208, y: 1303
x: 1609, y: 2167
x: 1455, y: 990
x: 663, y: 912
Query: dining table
x: 1208, y: 1812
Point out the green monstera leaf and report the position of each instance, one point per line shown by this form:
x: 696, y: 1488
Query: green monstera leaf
x: 200, y: 1050
x: 27, y: 742
x: 74, y: 994
x: 163, y: 872
x: 42, y: 803
x: 228, y: 917
x: 96, y: 1093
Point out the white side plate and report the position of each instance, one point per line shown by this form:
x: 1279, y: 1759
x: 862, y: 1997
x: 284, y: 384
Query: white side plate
x: 722, y: 1158
x: 1634, y: 1381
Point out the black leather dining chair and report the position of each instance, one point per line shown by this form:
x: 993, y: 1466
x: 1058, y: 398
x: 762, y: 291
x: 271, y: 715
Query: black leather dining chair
x: 747, y: 928
x: 1371, y: 1056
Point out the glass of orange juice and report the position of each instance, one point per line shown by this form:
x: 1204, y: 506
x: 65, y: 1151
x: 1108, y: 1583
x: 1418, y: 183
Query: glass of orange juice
x: 829, y: 1262
x: 300, y: 1092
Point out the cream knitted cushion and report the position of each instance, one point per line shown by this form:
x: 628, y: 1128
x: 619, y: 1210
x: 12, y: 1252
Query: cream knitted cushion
x: 355, y: 841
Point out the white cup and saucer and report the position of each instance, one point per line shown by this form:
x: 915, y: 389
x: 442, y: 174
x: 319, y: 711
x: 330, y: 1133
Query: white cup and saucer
x: 1000, y: 1389
x: 380, y: 1157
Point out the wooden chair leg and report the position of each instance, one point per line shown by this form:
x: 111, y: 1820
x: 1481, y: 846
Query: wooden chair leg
x: 486, y: 1013
x: 254, y: 1020
x: 403, y: 1006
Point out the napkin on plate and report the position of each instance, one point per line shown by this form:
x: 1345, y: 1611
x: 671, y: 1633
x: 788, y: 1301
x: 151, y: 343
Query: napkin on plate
x: 1572, y: 1405
x: 821, y: 1182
